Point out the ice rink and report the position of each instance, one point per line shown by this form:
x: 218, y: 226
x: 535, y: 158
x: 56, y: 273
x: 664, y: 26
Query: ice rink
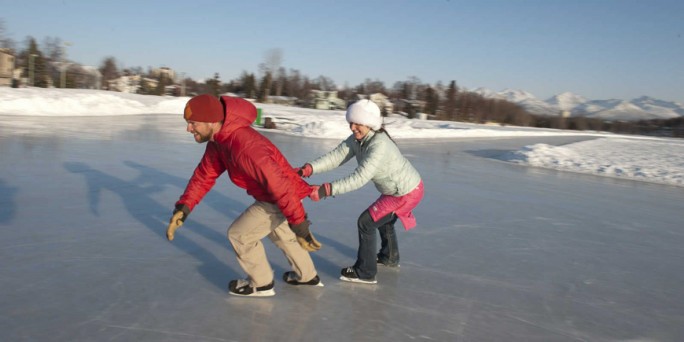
x: 502, y: 252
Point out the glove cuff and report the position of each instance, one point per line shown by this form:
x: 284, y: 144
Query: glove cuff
x: 184, y: 208
x: 307, y: 170
x: 325, y: 190
x: 300, y: 229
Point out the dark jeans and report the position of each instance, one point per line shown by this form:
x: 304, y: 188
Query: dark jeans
x: 366, y: 265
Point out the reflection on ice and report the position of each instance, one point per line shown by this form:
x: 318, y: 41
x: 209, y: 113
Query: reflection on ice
x: 500, y: 253
x: 143, y: 127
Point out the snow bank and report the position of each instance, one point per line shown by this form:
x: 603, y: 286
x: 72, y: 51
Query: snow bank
x: 634, y: 157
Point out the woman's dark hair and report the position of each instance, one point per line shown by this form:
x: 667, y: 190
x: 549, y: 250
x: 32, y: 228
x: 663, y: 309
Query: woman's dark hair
x: 383, y: 130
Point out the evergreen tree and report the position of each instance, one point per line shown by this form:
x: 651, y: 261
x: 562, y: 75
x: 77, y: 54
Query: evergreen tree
x: 431, y: 101
x: 34, y: 64
x: 450, y: 106
x: 214, y: 85
x: 145, y: 88
x: 162, y: 82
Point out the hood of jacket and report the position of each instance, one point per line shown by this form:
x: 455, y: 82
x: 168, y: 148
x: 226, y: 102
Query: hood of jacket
x: 238, y: 113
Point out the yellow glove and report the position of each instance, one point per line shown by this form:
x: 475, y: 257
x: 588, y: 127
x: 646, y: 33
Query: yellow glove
x: 309, y: 243
x: 175, y: 223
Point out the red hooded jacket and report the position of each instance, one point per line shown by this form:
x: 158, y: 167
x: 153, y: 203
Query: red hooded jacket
x: 252, y: 161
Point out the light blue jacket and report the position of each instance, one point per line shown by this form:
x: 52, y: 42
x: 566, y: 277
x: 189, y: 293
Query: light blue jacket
x: 379, y: 160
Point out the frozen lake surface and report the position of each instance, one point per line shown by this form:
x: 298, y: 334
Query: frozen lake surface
x: 502, y: 252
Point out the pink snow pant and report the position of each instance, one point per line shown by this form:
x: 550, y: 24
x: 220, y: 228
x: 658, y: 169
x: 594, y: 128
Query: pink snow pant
x: 259, y: 220
x: 402, y: 206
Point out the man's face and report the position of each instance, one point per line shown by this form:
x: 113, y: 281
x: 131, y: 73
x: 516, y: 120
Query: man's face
x: 201, y: 131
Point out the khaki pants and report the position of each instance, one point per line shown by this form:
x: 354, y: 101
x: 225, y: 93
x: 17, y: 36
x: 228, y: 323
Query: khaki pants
x: 259, y: 220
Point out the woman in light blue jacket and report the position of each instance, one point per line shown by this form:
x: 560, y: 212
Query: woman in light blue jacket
x: 380, y: 161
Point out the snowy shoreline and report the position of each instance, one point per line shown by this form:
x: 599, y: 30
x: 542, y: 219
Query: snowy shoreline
x: 656, y: 160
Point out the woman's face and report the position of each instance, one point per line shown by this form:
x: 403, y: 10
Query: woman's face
x: 359, y: 131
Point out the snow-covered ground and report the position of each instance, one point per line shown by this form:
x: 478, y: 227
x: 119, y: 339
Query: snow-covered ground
x: 502, y: 252
x: 640, y: 158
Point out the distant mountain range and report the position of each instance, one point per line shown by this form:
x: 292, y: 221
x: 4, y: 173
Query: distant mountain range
x: 642, y: 108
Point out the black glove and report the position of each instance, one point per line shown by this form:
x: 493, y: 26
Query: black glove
x: 304, y: 236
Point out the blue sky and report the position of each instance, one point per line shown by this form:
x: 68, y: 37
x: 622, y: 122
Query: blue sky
x: 596, y: 49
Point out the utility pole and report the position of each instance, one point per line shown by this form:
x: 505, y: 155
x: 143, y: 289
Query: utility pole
x: 182, y: 84
x: 32, y: 68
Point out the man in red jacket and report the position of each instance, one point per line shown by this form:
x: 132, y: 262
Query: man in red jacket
x: 256, y: 165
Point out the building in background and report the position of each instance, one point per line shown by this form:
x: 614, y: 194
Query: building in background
x: 92, y: 78
x: 164, y: 72
x: 125, y: 84
x: 322, y: 99
x: 386, y: 106
x: 6, y: 68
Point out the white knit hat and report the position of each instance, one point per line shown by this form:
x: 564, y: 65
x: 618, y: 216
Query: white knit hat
x: 365, y: 112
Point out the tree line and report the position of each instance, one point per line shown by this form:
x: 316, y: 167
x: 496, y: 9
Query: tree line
x: 410, y: 97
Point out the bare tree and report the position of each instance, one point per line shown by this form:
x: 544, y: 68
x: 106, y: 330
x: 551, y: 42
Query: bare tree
x: 54, y: 49
x: 376, y: 86
x: 465, y: 107
x: 249, y: 85
x: 346, y: 93
x: 281, y: 81
x: 325, y: 83
x: 264, y: 88
x: 294, y: 84
x: 272, y: 60
x: 412, y: 88
x: 109, y: 71
x: 5, y: 42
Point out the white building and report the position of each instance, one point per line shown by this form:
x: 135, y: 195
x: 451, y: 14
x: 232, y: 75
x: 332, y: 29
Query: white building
x: 125, y: 84
x: 323, y: 99
x: 6, y: 67
x: 380, y: 99
x: 164, y: 71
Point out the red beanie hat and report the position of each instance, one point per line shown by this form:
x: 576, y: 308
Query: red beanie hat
x: 204, y: 108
